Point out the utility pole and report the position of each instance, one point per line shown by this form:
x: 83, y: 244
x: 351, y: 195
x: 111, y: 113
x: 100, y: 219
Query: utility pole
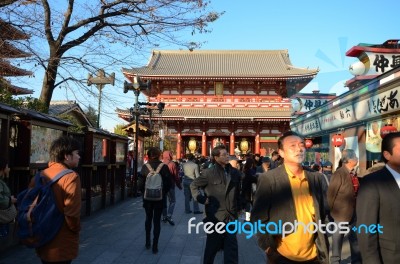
x: 100, y: 80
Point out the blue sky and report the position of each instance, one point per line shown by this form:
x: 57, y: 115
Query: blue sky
x: 316, y: 33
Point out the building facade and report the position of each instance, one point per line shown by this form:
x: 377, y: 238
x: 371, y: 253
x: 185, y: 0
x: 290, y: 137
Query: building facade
x: 359, y: 118
x: 237, y: 98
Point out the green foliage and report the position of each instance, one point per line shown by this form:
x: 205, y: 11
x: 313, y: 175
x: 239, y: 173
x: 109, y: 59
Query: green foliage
x: 28, y: 102
x: 118, y: 129
x: 91, y: 114
x: 76, y: 127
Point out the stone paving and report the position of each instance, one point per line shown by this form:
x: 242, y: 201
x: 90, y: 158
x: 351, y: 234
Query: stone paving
x: 116, y: 236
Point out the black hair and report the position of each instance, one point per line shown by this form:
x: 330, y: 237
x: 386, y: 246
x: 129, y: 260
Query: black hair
x: 217, y: 150
x: 62, y: 146
x: 153, y: 153
x: 190, y: 156
x: 388, y: 144
x: 285, y: 135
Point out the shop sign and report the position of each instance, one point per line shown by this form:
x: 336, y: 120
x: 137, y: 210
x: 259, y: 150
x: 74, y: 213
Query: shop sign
x: 302, y: 105
x: 379, y: 104
x: 375, y: 64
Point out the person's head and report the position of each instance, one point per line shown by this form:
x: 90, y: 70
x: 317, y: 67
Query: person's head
x: 349, y: 158
x: 266, y: 162
x: 65, y: 150
x: 220, y: 155
x: 257, y: 157
x: 4, y: 169
x: 291, y: 148
x: 390, y: 149
x: 167, y: 156
x: 249, y: 164
x: 154, y: 153
x: 274, y: 155
x: 316, y: 167
x: 233, y: 160
x: 189, y: 156
x: 327, y: 167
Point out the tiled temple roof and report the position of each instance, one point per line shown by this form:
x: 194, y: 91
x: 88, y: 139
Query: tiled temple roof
x: 222, y: 113
x: 234, y: 64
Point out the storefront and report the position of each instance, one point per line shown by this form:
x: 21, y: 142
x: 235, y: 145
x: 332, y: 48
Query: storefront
x: 357, y: 119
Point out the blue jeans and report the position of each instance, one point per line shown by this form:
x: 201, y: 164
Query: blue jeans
x: 188, y: 196
x: 168, y: 211
x: 337, y: 243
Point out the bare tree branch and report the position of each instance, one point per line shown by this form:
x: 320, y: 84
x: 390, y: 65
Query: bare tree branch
x: 70, y: 37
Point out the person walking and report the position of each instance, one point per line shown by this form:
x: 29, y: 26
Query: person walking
x: 64, y: 154
x: 378, y: 206
x: 154, y: 208
x: 191, y: 172
x: 221, y: 188
x: 287, y: 194
x: 342, y: 195
x: 168, y: 210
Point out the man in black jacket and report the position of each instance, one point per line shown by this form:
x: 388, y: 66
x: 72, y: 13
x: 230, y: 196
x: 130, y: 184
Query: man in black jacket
x: 378, y: 207
x: 221, y: 185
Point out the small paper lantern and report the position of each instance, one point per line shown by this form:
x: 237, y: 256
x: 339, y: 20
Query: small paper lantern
x: 308, y: 143
x: 337, y: 140
x: 388, y: 128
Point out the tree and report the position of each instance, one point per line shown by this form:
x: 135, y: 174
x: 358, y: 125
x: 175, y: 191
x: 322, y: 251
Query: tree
x: 119, y: 129
x: 91, y: 114
x: 70, y: 36
x: 28, y: 102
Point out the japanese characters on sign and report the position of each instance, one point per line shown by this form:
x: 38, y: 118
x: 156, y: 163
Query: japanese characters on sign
x: 379, y: 104
x: 376, y: 105
x: 302, y: 105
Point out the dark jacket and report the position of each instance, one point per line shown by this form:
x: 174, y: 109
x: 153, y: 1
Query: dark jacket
x: 166, y: 178
x: 273, y: 202
x: 249, y: 179
x: 378, y: 203
x: 223, y: 198
x: 341, y: 197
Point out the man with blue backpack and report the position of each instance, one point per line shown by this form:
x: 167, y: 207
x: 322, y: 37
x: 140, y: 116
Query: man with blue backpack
x: 53, y: 227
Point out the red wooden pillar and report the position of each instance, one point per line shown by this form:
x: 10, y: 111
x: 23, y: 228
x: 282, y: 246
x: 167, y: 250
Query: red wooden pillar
x: 232, y: 144
x: 178, y: 147
x: 204, y: 144
x: 257, y: 144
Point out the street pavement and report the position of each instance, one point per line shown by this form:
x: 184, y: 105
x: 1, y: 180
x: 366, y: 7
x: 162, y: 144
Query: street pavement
x: 116, y: 235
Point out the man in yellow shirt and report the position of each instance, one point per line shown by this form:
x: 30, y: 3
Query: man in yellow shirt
x: 293, y: 196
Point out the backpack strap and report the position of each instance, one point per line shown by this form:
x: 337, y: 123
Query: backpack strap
x: 62, y: 173
x: 149, y: 167
x: 159, y: 167
x: 59, y: 176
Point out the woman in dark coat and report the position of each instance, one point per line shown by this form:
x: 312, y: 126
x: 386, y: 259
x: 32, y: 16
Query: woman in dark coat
x: 154, y: 208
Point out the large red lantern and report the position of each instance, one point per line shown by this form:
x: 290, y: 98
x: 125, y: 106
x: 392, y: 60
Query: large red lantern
x: 337, y: 140
x: 308, y: 143
x: 387, y: 129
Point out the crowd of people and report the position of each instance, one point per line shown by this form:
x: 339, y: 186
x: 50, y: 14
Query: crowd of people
x: 278, y: 188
